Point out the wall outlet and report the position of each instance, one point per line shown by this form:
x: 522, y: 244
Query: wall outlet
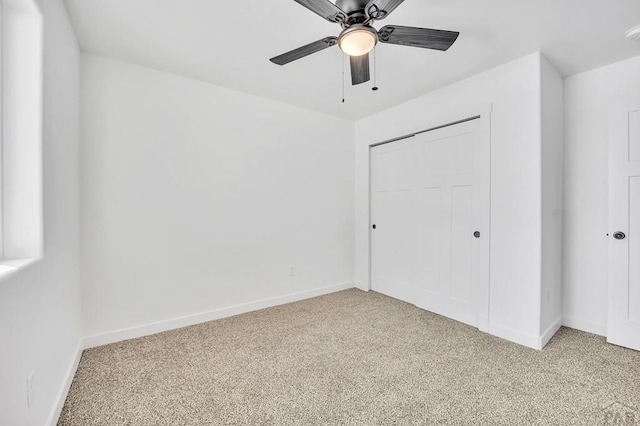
x: 292, y: 271
x: 31, y: 389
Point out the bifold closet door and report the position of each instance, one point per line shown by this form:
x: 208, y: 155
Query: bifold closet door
x: 429, y: 206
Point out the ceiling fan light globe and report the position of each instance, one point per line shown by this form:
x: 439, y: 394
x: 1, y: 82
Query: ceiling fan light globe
x: 358, y: 41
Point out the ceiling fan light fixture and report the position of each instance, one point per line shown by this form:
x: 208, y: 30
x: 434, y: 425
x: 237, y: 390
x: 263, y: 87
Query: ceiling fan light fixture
x: 358, y: 40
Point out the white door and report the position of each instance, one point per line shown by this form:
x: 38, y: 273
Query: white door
x: 624, y: 248
x: 429, y: 195
x: 395, y: 219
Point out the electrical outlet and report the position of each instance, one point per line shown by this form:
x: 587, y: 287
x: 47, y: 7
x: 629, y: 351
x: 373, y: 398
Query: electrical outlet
x: 31, y: 389
x: 292, y: 271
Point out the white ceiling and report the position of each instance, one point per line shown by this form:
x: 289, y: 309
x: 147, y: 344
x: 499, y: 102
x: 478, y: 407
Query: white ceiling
x: 229, y: 43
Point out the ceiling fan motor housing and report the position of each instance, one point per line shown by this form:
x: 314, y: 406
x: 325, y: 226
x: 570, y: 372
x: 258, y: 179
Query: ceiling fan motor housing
x: 350, y: 6
x: 355, y: 10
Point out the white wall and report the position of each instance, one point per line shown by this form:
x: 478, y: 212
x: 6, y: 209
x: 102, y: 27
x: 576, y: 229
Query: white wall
x: 40, y: 319
x: 588, y: 97
x: 514, y: 90
x: 552, y: 103
x: 197, y: 198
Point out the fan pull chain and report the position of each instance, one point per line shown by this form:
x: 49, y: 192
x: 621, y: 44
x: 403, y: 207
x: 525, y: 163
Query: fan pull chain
x: 343, y: 65
x: 375, y: 69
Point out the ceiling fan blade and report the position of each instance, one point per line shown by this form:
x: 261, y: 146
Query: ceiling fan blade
x: 380, y: 9
x: 359, y: 69
x: 324, y: 8
x: 303, y: 51
x: 417, y: 37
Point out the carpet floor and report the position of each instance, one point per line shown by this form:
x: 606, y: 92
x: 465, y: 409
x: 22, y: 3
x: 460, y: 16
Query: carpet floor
x: 352, y: 358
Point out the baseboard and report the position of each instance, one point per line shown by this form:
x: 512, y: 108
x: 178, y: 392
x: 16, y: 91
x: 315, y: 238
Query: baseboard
x: 585, y: 325
x: 361, y: 286
x: 550, y: 332
x: 185, y: 321
x: 64, y: 390
x: 515, y: 336
x: 528, y: 340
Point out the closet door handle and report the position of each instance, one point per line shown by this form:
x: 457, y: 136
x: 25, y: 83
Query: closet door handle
x: 476, y: 234
x: 374, y: 226
x: 619, y: 235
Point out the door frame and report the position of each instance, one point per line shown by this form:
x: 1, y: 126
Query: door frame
x: 483, y: 114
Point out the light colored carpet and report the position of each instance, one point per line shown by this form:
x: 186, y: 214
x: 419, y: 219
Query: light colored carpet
x: 351, y: 358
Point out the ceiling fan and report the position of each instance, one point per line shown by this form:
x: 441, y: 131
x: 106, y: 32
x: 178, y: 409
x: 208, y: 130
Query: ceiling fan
x: 358, y: 37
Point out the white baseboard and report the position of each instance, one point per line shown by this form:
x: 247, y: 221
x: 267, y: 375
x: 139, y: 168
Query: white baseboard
x: 515, y: 336
x: 528, y: 340
x: 185, y: 321
x: 550, y: 332
x: 361, y: 286
x: 585, y: 325
x: 64, y: 390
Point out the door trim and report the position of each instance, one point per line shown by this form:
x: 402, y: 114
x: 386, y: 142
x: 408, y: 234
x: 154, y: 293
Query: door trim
x: 484, y: 115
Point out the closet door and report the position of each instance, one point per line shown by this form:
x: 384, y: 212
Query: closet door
x: 430, y: 202
x: 395, y: 228
x: 451, y: 205
x: 624, y: 249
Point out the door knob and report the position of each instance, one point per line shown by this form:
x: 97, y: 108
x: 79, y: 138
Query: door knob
x: 476, y: 234
x: 619, y: 235
x: 374, y: 226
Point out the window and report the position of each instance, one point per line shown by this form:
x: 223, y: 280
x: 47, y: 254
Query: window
x: 20, y: 134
